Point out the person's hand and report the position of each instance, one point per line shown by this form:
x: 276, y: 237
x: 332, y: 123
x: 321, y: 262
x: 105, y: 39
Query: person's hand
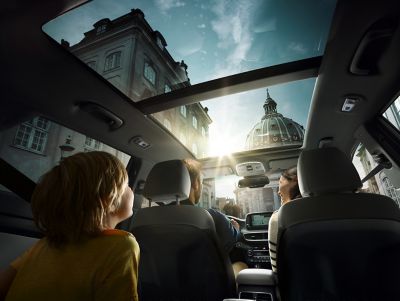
x: 235, y: 224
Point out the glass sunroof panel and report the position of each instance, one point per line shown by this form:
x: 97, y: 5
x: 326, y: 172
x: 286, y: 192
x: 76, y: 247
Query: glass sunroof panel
x: 146, y: 48
x: 267, y: 118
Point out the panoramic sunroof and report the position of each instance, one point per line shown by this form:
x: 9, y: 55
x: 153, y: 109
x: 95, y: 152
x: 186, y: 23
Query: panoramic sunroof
x: 147, y: 48
x: 170, y: 44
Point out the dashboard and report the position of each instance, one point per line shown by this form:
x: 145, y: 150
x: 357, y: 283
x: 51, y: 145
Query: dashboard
x: 254, y: 242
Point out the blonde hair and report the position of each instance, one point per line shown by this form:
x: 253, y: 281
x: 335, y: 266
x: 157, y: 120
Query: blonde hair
x: 70, y: 201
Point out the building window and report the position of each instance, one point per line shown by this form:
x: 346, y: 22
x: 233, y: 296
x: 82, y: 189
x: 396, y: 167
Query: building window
x: 149, y: 73
x: 194, y: 122
x: 194, y: 149
x: 167, y: 125
x: 32, y: 135
x: 203, y: 131
x: 183, y: 111
x: 91, y: 144
x: 101, y: 29
x: 167, y: 88
x: 113, y: 61
x: 92, y: 64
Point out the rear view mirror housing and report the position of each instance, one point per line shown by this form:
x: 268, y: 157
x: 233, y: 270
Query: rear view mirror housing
x: 253, y: 182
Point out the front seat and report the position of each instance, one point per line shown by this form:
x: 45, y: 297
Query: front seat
x: 180, y: 256
x: 335, y: 243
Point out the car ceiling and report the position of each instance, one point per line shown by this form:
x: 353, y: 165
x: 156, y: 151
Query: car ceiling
x: 335, y: 81
x: 38, y: 75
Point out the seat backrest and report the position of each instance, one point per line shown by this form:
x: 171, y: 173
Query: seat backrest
x: 336, y: 244
x: 180, y: 255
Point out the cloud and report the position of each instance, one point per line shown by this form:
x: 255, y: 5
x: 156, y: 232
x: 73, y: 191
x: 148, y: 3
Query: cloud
x: 232, y: 27
x: 297, y: 47
x: 185, y: 49
x: 201, y: 26
x: 266, y: 26
x: 166, y: 5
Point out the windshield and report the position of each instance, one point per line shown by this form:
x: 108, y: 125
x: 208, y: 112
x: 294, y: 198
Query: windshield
x: 148, y: 48
x: 223, y: 194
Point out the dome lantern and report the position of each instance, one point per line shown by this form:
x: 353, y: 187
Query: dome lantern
x: 269, y: 105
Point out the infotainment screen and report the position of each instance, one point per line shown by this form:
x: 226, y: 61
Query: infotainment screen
x: 258, y: 220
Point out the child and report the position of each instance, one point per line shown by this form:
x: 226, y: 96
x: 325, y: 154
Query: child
x: 77, y: 205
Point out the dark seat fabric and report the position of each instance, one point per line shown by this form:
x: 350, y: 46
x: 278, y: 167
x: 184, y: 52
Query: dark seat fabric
x: 180, y: 254
x: 337, y: 244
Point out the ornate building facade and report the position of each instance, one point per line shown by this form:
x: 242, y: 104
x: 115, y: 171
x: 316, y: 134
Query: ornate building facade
x: 274, y: 130
x: 133, y: 57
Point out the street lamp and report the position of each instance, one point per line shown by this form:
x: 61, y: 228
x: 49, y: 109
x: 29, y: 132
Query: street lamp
x: 66, y: 148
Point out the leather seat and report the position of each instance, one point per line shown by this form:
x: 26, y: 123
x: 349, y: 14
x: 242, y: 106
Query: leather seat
x: 180, y: 255
x: 335, y: 243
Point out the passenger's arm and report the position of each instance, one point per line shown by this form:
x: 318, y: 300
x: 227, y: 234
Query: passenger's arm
x: 6, y: 278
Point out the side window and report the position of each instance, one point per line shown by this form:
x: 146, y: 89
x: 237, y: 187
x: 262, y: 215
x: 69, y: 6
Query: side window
x: 32, y: 135
x: 392, y: 114
x: 91, y: 144
x: 113, y: 61
x: 380, y: 183
x: 36, y: 145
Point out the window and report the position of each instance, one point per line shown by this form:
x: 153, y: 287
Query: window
x: 380, y: 183
x: 203, y: 131
x: 53, y: 142
x: 101, y: 29
x: 149, y: 73
x: 91, y: 144
x: 167, y: 88
x: 113, y: 61
x: 32, y: 135
x: 183, y: 111
x: 92, y: 64
x: 194, y: 122
x: 392, y: 114
x: 167, y: 125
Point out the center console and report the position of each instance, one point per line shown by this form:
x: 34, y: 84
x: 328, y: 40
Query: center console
x: 255, y: 236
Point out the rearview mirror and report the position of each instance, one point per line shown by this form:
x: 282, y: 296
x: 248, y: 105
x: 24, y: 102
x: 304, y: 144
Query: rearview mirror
x: 253, y: 182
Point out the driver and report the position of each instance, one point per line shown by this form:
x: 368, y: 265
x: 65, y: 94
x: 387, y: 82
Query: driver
x: 227, y: 230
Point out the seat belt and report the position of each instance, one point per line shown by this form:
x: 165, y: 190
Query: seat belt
x: 383, y: 163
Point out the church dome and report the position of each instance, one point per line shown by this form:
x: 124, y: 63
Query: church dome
x: 274, y: 129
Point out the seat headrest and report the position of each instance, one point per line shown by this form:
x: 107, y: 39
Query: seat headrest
x: 167, y: 181
x: 326, y: 170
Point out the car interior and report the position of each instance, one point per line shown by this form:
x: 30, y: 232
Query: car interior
x: 247, y: 88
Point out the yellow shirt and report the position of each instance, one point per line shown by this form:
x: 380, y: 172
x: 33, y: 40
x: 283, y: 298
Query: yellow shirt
x: 103, y: 268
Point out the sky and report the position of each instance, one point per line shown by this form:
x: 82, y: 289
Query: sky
x: 218, y: 38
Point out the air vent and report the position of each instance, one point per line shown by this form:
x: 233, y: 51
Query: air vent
x: 256, y: 296
x: 256, y: 236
